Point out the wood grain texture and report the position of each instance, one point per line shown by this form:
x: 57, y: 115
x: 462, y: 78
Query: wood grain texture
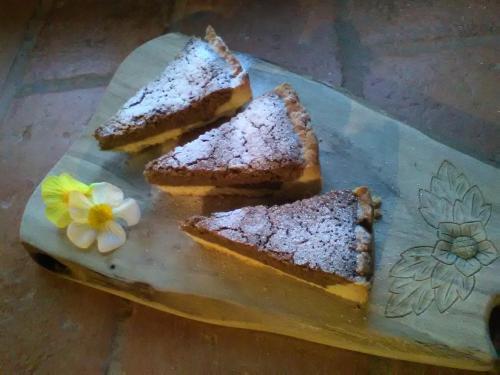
x: 162, y: 268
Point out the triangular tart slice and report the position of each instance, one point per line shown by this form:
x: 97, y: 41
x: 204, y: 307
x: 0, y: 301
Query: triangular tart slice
x: 267, y: 149
x: 203, y: 83
x: 325, y: 240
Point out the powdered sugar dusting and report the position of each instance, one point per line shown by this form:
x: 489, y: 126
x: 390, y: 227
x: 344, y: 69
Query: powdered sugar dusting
x: 318, y: 232
x: 261, y: 138
x: 194, y: 74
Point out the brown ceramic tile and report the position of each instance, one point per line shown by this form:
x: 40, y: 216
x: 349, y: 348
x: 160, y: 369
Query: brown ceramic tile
x: 298, y: 35
x: 432, y: 65
x: 13, y: 19
x: 92, y: 36
x: 403, y: 21
x: 159, y: 343
x: 169, y: 344
x: 37, y: 131
x: 450, y: 95
x: 48, y: 325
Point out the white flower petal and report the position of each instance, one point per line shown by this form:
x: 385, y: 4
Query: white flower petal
x: 82, y: 235
x: 104, y: 192
x: 128, y: 211
x: 112, y: 237
x: 78, y: 206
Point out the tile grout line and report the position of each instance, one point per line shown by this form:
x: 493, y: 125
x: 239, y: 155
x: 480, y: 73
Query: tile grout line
x: 412, y: 47
x: 168, y: 11
x: 14, y: 79
x: 113, y: 362
x: 176, y: 14
x: 353, y: 57
x: 16, y: 88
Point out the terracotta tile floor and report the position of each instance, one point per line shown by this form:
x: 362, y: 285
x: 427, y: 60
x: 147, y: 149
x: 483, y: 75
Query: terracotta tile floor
x: 435, y: 65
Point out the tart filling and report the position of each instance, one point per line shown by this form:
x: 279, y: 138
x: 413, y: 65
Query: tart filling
x: 238, y: 98
x: 270, y: 143
x: 325, y: 240
x: 203, y: 83
x: 310, y: 179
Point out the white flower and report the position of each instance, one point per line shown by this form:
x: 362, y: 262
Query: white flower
x: 97, y: 217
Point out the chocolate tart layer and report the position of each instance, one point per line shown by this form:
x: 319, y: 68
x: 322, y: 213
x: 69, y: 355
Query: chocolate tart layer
x: 268, y: 148
x: 203, y: 83
x: 325, y: 240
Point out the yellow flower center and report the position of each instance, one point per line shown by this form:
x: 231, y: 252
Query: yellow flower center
x: 465, y: 247
x: 99, y: 215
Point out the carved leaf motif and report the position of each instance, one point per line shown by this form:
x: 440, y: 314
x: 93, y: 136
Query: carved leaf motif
x: 415, y: 296
x: 473, y: 207
x: 461, y: 186
x: 399, y: 284
x: 441, y: 188
x: 418, y: 251
x: 484, y: 214
x: 424, y: 274
x: 449, y: 285
x: 416, y: 263
x: 459, y: 212
x: 448, y: 183
x: 487, y: 253
x: 434, y: 209
x: 466, y: 286
x: 423, y: 301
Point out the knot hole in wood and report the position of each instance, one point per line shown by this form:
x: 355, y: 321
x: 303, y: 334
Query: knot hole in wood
x: 50, y: 263
x: 494, y: 329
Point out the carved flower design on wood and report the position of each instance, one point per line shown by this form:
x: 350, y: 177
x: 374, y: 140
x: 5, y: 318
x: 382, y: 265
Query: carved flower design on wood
x: 444, y: 273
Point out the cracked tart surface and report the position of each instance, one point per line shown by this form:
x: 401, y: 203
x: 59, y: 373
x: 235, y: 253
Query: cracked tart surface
x: 269, y: 148
x: 203, y: 83
x: 325, y: 240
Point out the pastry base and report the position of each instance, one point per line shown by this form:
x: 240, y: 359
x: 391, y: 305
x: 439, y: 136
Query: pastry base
x: 311, y: 176
x: 215, y: 190
x: 240, y: 96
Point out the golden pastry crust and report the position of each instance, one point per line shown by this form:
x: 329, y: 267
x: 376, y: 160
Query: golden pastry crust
x: 363, y: 233
x: 268, y: 146
x: 203, y: 83
x: 317, y: 239
x: 221, y: 48
x: 365, y: 205
x: 302, y: 125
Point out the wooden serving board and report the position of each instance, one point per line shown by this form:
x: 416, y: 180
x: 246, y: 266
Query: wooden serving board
x: 420, y: 309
